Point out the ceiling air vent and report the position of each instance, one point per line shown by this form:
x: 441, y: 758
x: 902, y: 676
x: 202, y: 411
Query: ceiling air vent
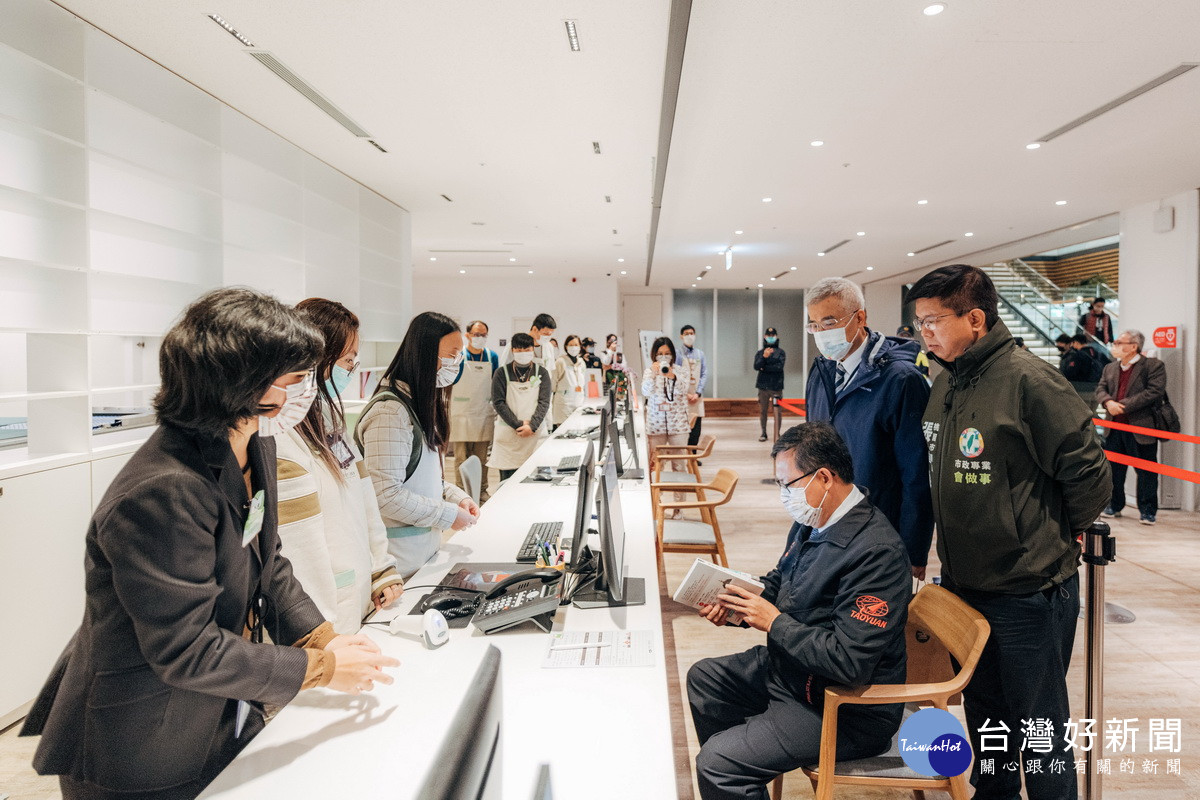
x: 313, y: 96
x: 836, y: 246
x: 1120, y: 101
x: 932, y: 246
x: 377, y: 145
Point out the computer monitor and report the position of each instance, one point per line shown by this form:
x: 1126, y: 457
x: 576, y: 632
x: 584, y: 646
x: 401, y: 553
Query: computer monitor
x: 629, y: 473
x: 583, y: 511
x: 612, y: 401
x: 631, y: 438
x: 610, y: 587
x: 543, y: 790
x: 605, y: 418
x: 467, y: 766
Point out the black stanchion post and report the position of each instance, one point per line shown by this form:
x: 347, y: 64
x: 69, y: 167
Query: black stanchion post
x: 1099, y: 550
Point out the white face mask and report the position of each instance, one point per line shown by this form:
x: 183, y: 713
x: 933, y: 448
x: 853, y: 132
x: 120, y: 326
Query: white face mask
x: 478, y: 342
x: 573, y: 350
x: 448, y: 372
x: 833, y: 343
x: 797, y: 506
x: 689, y: 339
x: 664, y: 360
x: 524, y: 358
x: 299, y: 399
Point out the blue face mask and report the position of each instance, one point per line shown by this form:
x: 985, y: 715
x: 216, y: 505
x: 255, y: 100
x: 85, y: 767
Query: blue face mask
x: 339, y: 379
x: 772, y: 339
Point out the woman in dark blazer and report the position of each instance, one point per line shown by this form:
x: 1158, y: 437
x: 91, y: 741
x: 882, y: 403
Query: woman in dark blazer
x: 1130, y: 389
x: 159, y: 689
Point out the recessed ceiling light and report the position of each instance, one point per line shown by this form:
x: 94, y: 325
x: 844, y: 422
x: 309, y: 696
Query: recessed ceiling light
x: 739, y: 233
x: 232, y: 31
x: 793, y: 269
x: 922, y: 202
x: 1060, y: 202
x: 821, y: 253
x: 708, y: 266
x: 621, y: 260
x: 760, y: 286
x: 766, y: 199
x: 530, y: 272
x: 912, y: 254
x: 572, y: 35
x: 816, y: 143
x: 433, y: 258
x: 772, y: 279
x: 861, y: 233
x: 462, y: 272
x: 1033, y: 145
x: 968, y: 233
x: 478, y: 223
x: 934, y: 9
x: 870, y: 268
x: 512, y: 259
x: 624, y: 272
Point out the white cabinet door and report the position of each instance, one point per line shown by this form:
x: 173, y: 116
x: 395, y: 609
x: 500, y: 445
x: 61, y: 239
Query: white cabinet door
x: 43, y: 523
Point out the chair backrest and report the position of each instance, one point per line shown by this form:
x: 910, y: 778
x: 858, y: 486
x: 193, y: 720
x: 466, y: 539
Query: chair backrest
x: 724, y: 482
x: 471, y: 471
x: 706, y: 445
x: 941, y: 625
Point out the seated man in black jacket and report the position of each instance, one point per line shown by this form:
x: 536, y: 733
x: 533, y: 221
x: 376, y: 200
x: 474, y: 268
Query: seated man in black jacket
x: 834, y: 612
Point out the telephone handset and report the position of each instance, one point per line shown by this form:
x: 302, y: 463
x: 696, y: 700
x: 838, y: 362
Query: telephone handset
x: 530, y: 595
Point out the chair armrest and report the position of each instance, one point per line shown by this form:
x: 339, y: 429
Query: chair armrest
x: 678, y: 487
x: 684, y: 447
x: 882, y: 693
x: 689, y: 504
x: 661, y: 456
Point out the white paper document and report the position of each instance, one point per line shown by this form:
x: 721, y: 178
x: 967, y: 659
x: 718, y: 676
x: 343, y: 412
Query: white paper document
x: 600, y: 649
x: 705, y: 580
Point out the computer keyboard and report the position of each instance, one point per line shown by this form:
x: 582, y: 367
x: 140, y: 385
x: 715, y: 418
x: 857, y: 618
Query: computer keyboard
x: 539, y: 533
x: 569, y: 463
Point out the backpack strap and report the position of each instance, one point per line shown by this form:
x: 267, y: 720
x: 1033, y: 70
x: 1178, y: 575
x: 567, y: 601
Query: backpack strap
x: 418, y: 443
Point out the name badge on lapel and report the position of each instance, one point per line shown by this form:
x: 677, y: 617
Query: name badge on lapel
x: 254, y: 521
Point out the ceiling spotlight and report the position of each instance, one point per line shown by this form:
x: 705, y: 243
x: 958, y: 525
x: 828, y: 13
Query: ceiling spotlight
x: 433, y: 258
x: 760, y: 286
x: 232, y: 31
x: 911, y: 254
x: 821, y: 253
x: 870, y: 268
x: 462, y: 272
x: 772, y: 279
x: 624, y: 272
x: 621, y: 260
x: 739, y: 233
x: 968, y: 233
x: 934, y: 9
x: 1033, y: 145
x: 1060, y: 202
x: 816, y: 143
x: 793, y: 269
x: 693, y: 286
x: 861, y: 233
x: 572, y: 35
x: 530, y: 272
x: 512, y: 259
x: 766, y: 199
x: 922, y: 202
x: 708, y: 266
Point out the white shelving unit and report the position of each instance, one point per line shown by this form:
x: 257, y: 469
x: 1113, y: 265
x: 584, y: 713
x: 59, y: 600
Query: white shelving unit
x: 125, y: 193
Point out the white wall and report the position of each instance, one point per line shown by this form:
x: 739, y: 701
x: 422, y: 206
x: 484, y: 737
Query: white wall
x: 883, y: 307
x: 1160, y: 285
x: 586, y: 307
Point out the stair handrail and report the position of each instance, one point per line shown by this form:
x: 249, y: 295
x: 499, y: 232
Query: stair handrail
x: 1035, y: 280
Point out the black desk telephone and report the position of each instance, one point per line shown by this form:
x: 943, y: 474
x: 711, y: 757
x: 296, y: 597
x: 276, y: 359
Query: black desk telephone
x: 530, y: 595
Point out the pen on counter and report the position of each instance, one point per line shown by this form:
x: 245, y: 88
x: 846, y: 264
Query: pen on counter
x: 580, y: 646
x: 561, y: 556
x: 549, y: 553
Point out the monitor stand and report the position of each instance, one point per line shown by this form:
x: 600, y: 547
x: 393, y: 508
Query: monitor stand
x: 634, y: 594
x: 631, y: 474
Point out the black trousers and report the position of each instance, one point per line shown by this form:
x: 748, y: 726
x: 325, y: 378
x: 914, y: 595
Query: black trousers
x: 1147, y: 482
x: 694, y: 434
x: 751, y: 728
x: 1022, y: 675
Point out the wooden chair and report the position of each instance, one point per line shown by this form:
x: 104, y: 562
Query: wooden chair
x: 689, y: 535
x: 690, y: 455
x: 940, y: 625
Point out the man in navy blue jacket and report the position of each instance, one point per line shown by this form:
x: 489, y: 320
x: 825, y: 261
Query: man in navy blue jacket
x: 869, y: 387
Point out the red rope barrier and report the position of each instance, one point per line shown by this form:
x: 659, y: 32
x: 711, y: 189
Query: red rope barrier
x: 795, y: 409
x: 1153, y: 466
x: 1121, y: 426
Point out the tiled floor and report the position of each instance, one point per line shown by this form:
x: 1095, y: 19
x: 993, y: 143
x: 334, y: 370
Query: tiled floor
x: 1152, y: 666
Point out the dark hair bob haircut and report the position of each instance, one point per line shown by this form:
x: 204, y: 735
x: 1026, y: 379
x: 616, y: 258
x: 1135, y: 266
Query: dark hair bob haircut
x: 659, y: 342
x: 223, y: 354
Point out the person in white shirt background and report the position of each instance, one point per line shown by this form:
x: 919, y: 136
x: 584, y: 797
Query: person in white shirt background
x: 329, y: 522
x: 404, y: 432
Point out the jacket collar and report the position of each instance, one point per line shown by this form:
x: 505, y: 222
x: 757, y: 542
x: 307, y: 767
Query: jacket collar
x: 219, y: 457
x: 842, y: 532
x: 980, y: 355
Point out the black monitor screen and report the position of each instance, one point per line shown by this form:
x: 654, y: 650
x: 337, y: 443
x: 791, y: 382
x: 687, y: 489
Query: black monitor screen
x: 630, y: 437
x: 612, y: 527
x: 604, y: 418
x: 583, y: 507
x: 466, y: 767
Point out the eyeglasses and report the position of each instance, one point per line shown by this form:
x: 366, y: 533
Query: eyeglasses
x: 353, y: 367
x: 829, y: 323
x: 931, y: 323
x: 785, y: 486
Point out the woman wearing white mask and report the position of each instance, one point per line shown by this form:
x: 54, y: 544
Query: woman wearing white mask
x: 328, y: 518
x: 403, y: 434
x: 665, y: 385
x: 568, y: 381
x: 521, y: 397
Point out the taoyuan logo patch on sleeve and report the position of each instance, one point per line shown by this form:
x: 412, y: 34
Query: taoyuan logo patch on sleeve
x: 871, y: 610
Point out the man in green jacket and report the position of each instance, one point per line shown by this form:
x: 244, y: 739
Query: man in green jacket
x: 1017, y: 474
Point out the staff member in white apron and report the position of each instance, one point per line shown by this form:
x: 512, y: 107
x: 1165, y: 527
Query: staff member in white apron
x: 329, y: 521
x: 521, y: 397
x: 403, y: 433
x: 568, y: 381
x: 471, y: 413
x: 694, y: 356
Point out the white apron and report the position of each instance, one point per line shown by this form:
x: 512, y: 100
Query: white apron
x: 568, y: 394
x: 410, y: 546
x: 471, y: 412
x: 510, y: 451
x: 695, y: 409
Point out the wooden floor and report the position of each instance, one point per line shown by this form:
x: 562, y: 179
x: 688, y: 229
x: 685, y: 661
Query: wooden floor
x: 1152, y: 667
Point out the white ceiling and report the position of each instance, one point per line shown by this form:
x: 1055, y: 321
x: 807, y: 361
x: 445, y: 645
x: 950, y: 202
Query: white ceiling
x: 484, y: 102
